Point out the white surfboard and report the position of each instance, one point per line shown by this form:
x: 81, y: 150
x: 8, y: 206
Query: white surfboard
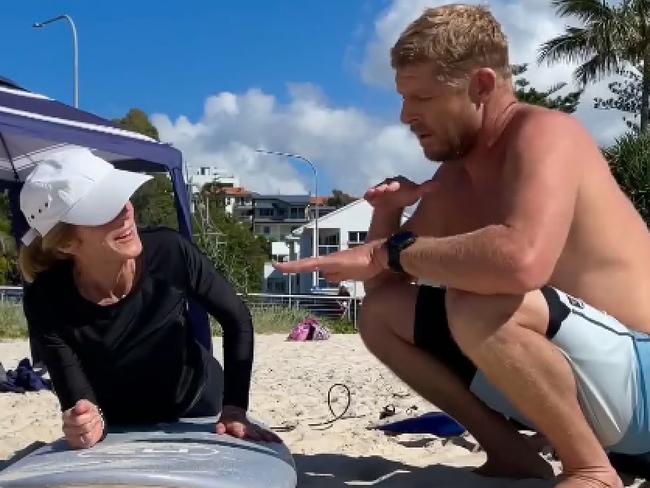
x: 184, y: 454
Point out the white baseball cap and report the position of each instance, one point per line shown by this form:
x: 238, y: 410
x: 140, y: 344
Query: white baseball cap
x: 73, y: 185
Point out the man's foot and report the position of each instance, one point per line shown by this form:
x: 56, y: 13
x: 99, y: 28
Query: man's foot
x: 517, y: 467
x: 590, y: 479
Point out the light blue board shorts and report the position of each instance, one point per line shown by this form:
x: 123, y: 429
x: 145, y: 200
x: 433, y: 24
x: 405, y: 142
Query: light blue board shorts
x: 611, y: 365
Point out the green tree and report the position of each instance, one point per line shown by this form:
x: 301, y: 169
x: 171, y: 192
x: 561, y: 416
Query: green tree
x: 629, y: 160
x: 9, y: 272
x: 5, y: 212
x: 548, y: 98
x: 339, y: 199
x: 154, y: 203
x: 626, y: 96
x: 138, y: 121
x: 612, y: 35
x: 230, y: 245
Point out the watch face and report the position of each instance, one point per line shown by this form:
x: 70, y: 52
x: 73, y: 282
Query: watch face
x: 402, y: 238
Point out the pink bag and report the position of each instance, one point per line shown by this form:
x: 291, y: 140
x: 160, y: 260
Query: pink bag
x: 309, y: 329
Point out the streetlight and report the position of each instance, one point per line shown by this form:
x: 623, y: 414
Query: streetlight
x: 75, y: 46
x: 315, y: 240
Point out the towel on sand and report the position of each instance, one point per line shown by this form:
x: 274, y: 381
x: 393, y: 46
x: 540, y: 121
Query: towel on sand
x: 23, y: 378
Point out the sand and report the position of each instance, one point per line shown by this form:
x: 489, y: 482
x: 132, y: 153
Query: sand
x: 289, y: 392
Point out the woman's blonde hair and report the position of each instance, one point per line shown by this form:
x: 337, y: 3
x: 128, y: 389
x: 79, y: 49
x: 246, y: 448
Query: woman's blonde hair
x: 43, y: 252
x: 457, y: 38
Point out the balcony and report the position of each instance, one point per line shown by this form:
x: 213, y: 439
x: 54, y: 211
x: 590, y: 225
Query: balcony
x: 324, y: 250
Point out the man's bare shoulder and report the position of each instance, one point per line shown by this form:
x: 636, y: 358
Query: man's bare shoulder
x: 537, y: 135
x: 536, y: 125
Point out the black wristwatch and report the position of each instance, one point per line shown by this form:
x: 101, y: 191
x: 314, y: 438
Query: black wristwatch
x: 395, y: 245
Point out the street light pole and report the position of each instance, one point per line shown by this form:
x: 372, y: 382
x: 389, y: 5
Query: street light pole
x: 315, y: 239
x: 75, y: 49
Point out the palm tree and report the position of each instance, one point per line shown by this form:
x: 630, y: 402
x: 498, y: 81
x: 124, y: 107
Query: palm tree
x: 612, y: 36
x: 629, y: 160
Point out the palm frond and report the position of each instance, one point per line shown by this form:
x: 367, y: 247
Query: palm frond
x: 555, y: 88
x: 572, y: 46
x: 587, y: 11
x: 596, y: 68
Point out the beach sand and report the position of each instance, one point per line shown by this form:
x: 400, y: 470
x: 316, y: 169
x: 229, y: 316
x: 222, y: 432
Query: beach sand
x: 289, y: 391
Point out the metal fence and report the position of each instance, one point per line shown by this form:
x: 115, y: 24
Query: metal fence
x: 327, y: 306
x: 11, y: 294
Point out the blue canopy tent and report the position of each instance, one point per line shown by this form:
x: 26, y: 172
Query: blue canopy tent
x: 32, y: 124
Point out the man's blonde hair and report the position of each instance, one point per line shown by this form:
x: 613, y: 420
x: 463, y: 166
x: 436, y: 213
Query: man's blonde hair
x: 43, y: 253
x: 457, y: 38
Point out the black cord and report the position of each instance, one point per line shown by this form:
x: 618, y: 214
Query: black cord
x: 329, y: 404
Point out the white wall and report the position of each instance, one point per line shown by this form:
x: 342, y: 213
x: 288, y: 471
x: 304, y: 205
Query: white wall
x: 354, y: 217
x: 277, y: 231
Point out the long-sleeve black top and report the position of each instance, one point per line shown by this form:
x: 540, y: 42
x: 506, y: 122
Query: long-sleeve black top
x: 137, y: 359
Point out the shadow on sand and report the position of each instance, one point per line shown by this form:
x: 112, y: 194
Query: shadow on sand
x: 338, y: 470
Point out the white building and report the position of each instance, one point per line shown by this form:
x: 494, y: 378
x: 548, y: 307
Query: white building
x: 341, y: 229
x: 238, y: 202
x: 199, y: 175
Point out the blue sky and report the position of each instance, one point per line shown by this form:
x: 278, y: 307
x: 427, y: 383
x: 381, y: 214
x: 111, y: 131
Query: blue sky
x: 221, y: 78
x: 166, y: 56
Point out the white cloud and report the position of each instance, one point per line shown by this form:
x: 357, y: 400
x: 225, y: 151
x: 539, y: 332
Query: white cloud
x: 354, y: 149
x: 524, y: 39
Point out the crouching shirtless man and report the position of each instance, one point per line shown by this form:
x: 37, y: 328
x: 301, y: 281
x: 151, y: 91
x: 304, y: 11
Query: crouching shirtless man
x: 542, y: 310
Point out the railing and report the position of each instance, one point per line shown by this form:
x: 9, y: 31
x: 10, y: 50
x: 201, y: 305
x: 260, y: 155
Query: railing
x: 324, y: 249
x: 11, y: 294
x: 329, y: 306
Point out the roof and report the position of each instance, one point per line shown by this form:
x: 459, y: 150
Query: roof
x: 325, y: 217
x: 321, y: 201
x: 290, y: 199
x: 236, y: 191
x: 407, y: 215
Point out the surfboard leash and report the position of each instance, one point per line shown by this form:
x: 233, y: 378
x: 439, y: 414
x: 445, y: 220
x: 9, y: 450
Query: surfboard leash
x: 329, y: 405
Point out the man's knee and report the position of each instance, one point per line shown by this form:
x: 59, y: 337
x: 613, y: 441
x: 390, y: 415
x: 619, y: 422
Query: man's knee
x: 386, y: 314
x: 475, y: 318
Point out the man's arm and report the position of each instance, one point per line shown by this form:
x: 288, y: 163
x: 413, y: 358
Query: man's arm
x: 426, y: 220
x: 517, y: 254
x: 384, y: 223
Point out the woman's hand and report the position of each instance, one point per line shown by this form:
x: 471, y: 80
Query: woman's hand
x: 83, y: 425
x: 233, y: 421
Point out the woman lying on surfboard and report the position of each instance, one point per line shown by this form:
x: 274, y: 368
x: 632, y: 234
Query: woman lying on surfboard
x: 107, y: 307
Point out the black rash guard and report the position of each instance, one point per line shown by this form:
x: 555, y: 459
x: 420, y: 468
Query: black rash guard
x: 137, y: 359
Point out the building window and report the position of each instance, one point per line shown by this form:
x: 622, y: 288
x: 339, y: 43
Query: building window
x: 266, y: 230
x: 266, y: 212
x: 297, y: 213
x: 329, y: 240
x: 323, y: 283
x: 356, y: 238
